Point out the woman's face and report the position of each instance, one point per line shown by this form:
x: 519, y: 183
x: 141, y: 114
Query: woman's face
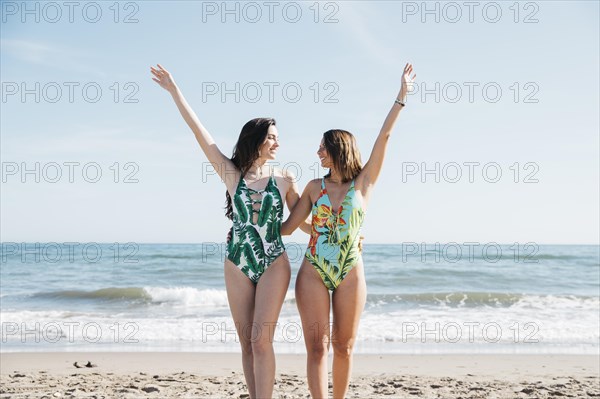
x: 324, y: 156
x: 268, y: 149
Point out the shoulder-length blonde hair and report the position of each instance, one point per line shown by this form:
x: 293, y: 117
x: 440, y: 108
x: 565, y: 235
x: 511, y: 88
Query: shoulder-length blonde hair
x: 341, y: 147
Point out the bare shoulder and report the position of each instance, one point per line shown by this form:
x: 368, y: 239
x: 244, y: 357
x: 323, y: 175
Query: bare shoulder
x: 284, y: 176
x: 314, y: 183
x: 313, y: 187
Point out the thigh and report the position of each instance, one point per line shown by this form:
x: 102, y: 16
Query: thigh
x: 348, y: 303
x: 270, y: 294
x: 240, y: 295
x: 312, y: 298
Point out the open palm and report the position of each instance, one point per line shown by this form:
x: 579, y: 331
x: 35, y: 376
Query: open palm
x: 163, y: 78
x: 407, y: 81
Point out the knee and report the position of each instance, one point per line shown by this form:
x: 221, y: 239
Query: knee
x: 246, y: 347
x: 261, y: 347
x: 343, y: 348
x: 317, y: 350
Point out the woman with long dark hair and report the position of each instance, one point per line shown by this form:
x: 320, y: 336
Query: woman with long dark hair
x: 333, y: 259
x: 257, y: 269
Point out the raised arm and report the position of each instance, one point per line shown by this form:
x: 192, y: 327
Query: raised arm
x: 372, y: 168
x: 223, y: 165
x: 299, y: 213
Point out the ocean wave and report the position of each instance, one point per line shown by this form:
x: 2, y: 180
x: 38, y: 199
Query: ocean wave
x: 103, y: 294
x: 185, y: 296
x: 476, y: 299
x: 188, y: 296
x: 175, y: 296
x: 536, y: 323
x: 471, y: 330
x: 217, y: 298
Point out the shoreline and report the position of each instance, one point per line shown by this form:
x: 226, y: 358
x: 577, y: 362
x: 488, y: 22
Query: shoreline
x: 432, y: 365
x: 193, y: 375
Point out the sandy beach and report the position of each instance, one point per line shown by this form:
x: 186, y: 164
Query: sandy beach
x: 212, y: 375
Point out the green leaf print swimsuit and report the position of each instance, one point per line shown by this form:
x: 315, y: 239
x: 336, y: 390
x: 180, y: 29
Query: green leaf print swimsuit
x: 333, y: 247
x: 256, y: 237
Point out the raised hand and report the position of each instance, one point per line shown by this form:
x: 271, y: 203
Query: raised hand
x: 163, y: 78
x: 372, y: 168
x: 407, y: 81
x: 220, y: 162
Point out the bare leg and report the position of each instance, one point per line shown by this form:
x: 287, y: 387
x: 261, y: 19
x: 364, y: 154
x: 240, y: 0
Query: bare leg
x: 240, y: 294
x: 270, y: 294
x: 312, y: 298
x: 348, y: 303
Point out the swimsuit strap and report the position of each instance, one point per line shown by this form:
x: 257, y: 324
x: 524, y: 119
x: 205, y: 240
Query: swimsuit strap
x: 351, y: 191
x: 272, y: 176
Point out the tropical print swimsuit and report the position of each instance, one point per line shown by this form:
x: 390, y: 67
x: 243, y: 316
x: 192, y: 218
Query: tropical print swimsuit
x: 256, y: 233
x: 333, y: 248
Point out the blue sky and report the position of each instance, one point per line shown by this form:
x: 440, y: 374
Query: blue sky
x: 543, y: 123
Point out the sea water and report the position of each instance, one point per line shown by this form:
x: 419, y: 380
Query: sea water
x: 434, y: 298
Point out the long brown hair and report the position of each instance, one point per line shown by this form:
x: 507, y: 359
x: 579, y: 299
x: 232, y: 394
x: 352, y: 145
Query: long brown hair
x: 245, y: 153
x: 341, y: 147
